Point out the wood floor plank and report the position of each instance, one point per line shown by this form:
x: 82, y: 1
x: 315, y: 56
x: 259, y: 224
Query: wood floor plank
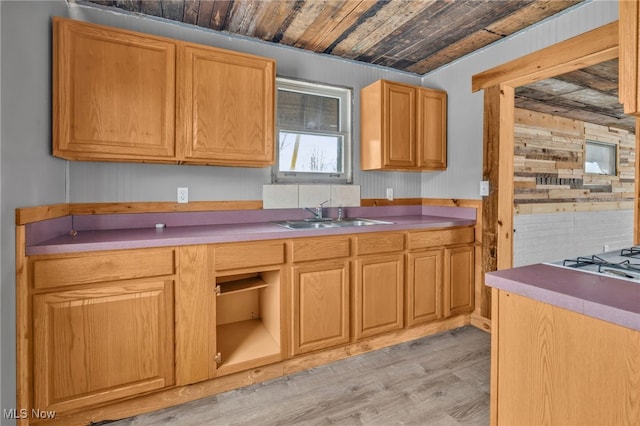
x: 440, y: 380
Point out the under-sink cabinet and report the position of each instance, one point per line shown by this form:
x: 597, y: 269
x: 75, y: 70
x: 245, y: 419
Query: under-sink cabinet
x: 321, y: 293
x: 102, y: 326
x: 379, y: 284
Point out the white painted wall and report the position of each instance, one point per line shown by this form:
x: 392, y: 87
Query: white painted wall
x: 465, y: 120
x: 30, y: 176
x: 1, y: 215
x: 557, y: 236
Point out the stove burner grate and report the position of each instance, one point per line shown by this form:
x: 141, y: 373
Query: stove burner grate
x: 630, y: 252
x: 584, y: 261
x: 581, y: 261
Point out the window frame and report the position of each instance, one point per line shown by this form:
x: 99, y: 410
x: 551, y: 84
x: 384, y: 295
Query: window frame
x: 612, y: 146
x: 345, y: 119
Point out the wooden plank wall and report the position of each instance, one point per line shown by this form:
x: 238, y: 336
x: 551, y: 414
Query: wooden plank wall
x: 549, y: 165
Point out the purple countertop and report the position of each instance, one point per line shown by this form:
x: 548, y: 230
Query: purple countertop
x: 126, y: 231
x: 595, y: 295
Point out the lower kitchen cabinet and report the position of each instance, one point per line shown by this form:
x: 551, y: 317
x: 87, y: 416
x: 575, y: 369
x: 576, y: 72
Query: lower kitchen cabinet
x: 102, y: 326
x: 320, y: 306
x: 248, y: 332
x: 228, y: 309
x: 321, y: 289
x: 440, y: 280
x: 554, y: 366
x: 101, y: 343
x: 424, y: 287
x: 458, y: 280
x: 248, y: 304
x: 98, y: 329
x: 379, y: 290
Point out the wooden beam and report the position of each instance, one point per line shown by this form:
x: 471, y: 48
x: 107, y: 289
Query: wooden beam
x: 586, y: 49
x: 636, y: 207
x: 629, y: 41
x: 498, y: 170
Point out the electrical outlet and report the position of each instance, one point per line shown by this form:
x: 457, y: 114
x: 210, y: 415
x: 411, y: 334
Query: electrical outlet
x: 390, y: 194
x: 484, y: 188
x: 183, y: 195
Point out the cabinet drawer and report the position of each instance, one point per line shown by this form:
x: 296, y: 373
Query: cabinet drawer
x: 320, y: 248
x: 236, y: 256
x: 97, y: 267
x: 443, y: 237
x: 379, y: 243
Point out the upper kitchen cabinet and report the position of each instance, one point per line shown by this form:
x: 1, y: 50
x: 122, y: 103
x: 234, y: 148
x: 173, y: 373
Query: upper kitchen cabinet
x: 403, y: 127
x: 226, y: 108
x: 113, y: 94
x: 629, y: 59
x: 125, y: 96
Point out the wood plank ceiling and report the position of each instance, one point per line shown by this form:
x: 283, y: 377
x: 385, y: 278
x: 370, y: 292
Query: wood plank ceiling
x: 415, y: 36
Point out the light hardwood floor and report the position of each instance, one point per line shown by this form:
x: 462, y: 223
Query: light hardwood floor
x: 437, y: 380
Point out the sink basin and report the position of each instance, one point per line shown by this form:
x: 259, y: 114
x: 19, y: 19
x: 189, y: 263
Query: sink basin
x: 330, y: 223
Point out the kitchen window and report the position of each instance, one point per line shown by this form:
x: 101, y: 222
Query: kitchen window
x: 313, y: 130
x: 600, y: 158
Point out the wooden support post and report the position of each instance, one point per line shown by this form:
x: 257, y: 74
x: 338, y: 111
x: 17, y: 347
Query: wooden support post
x: 636, y: 207
x: 497, y: 232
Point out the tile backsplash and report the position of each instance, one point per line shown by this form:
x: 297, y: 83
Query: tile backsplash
x: 291, y: 195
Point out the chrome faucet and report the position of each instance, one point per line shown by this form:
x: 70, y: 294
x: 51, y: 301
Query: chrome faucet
x: 317, y: 212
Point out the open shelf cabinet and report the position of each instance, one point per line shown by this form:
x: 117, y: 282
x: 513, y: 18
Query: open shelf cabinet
x: 248, y: 320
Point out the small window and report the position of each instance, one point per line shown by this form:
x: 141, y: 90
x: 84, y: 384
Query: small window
x: 313, y: 133
x: 600, y: 158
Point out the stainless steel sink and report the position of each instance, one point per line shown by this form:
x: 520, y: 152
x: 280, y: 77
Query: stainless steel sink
x: 330, y: 223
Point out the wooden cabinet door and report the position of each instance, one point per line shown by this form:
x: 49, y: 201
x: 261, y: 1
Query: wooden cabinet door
x: 402, y: 127
x: 102, y: 343
x: 113, y: 94
x: 226, y: 112
x: 379, y: 290
x: 195, y: 310
x: 320, y: 306
x: 399, y: 112
x: 432, y: 129
x: 424, y: 287
x: 458, y: 280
